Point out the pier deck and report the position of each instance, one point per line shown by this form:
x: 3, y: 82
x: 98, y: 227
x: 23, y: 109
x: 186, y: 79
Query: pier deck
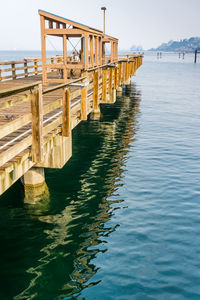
x: 43, y: 99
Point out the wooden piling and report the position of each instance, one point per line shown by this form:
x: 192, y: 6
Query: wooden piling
x: 96, y: 91
x: 66, y: 130
x: 37, y: 124
x: 104, y: 84
x: 84, y: 103
x: 110, y: 91
x: 115, y: 78
x: 119, y: 73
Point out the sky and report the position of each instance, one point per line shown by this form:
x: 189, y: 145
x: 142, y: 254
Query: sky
x: 135, y: 22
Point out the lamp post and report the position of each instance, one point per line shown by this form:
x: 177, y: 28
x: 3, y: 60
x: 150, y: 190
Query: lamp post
x: 104, y: 14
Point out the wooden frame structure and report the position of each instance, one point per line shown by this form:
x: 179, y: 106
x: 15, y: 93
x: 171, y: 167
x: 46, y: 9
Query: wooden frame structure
x: 92, y: 53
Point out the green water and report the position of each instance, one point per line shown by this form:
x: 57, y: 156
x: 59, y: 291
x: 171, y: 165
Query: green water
x: 123, y: 218
x: 45, y: 249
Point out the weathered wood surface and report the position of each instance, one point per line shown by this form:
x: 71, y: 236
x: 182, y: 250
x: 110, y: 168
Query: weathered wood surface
x: 31, y: 113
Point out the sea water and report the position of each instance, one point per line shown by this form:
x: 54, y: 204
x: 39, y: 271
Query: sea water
x: 123, y: 217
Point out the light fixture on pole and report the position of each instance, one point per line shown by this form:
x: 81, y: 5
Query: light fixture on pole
x: 104, y: 14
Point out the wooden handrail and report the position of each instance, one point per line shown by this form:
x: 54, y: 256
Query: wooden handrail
x: 17, y: 90
x: 60, y: 86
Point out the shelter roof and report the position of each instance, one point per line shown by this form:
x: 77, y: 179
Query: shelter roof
x: 76, y: 25
x: 62, y: 20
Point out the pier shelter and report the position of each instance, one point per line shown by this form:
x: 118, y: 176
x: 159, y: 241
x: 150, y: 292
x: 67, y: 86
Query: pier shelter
x: 91, y: 54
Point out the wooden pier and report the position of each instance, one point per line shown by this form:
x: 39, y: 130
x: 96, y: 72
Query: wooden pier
x: 43, y: 99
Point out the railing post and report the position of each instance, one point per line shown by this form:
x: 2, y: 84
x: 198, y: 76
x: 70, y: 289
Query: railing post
x: 37, y: 124
x: 66, y: 128
x: 132, y: 67
x: 25, y: 68
x: 129, y: 69
x: 36, y: 66
x: 84, y: 103
x: 96, y: 91
x: 134, y: 72
x: 104, y: 84
x: 124, y: 73
x: 110, y: 83
x: 119, y: 73
x: 13, y: 71
x: 115, y: 78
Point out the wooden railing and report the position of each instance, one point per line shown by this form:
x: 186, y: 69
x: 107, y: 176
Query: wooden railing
x: 81, y: 95
x: 10, y: 70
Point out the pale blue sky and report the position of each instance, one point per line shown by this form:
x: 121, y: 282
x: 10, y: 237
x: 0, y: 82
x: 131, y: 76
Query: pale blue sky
x: 145, y: 22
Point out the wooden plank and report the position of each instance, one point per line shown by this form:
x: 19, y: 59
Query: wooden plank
x: 119, y: 73
x: 123, y: 72
x: 14, y: 125
x: 55, y: 80
x: 17, y: 90
x: 111, y: 51
x: 104, y: 84
x: 66, y: 130
x: 100, y: 51
x: 65, y: 56
x: 75, y: 94
x: 36, y: 66
x: 50, y: 24
x: 110, y: 82
x: 115, y: 79
x: 52, y: 106
x: 126, y: 71
x: 91, y: 51
x: 15, y: 150
x: 6, y: 77
x: 82, y: 50
x: 51, y: 126
x: 13, y: 71
x: 62, y: 31
x: 25, y: 68
x: 62, y: 66
x: 96, y: 50
x: 4, y: 63
x: 96, y: 90
x: 63, y: 85
x: 63, y: 20
x: 86, y: 51
x: 84, y: 103
x: 37, y: 125
x: 43, y: 48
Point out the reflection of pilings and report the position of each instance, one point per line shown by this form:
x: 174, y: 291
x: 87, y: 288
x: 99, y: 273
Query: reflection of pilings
x: 195, y: 56
x: 80, y: 225
x: 159, y: 55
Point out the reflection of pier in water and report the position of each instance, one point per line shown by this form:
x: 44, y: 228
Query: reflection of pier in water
x: 80, y: 226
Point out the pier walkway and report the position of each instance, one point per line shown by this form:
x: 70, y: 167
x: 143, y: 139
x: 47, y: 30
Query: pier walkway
x: 43, y: 99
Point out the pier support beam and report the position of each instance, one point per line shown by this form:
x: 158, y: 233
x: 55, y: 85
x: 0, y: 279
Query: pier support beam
x: 95, y: 115
x: 111, y: 86
x: 34, y: 185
